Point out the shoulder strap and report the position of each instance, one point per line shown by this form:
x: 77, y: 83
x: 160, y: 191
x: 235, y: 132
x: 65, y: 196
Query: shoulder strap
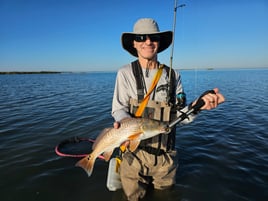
x: 138, y: 75
x: 172, y: 87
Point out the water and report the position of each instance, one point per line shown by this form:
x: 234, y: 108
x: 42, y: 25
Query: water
x: 223, y: 155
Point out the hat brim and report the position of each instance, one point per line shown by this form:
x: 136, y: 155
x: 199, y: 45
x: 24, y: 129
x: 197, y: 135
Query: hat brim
x: 128, y: 38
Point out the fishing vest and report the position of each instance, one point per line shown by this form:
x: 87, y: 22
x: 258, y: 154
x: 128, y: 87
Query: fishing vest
x: 162, y: 111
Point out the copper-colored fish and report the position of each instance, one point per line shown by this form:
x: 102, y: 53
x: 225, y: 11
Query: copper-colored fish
x: 131, y: 129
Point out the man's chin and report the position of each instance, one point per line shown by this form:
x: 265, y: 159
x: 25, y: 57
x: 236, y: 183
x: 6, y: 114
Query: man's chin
x: 151, y: 56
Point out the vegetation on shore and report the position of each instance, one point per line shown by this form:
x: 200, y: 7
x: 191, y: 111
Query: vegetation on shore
x: 29, y: 72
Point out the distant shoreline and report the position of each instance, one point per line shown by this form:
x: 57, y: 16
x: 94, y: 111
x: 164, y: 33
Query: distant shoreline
x: 30, y: 72
x: 114, y: 71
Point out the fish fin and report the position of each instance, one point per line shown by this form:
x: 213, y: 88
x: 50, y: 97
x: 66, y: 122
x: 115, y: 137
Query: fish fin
x: 107, y: 155
x: 124, y: 146
x: 134, y: 141
x: 87, y: 163
x: 135, y: 136
x: 133, y: 144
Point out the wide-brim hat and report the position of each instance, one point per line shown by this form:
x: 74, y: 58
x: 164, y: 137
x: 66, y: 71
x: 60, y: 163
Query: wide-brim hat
x: 146, y: 26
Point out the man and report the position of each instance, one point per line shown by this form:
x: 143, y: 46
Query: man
x: 155, y: 160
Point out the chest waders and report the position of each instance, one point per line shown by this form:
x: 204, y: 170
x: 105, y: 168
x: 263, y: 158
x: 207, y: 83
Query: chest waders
x: 162, y: 111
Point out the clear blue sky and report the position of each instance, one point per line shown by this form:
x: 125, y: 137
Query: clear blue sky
x: 84, y: 35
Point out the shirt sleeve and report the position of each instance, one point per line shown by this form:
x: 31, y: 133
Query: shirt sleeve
x: 120, y: 104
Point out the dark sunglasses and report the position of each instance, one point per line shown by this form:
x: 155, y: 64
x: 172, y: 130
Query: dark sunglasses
x: 143, y: 37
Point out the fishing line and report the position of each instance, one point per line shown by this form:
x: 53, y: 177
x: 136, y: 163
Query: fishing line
x: 68, y: 143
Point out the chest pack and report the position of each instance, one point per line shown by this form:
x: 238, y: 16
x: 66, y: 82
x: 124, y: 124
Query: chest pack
x: 154, y: 109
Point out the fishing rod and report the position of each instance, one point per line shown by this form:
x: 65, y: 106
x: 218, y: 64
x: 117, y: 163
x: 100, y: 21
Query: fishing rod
x: 173, y: 30
x: 193, y: 109
x: 173, y: 41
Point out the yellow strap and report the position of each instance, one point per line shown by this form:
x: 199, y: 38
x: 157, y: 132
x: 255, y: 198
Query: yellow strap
x: 118, y: 162
x: 146, y: 98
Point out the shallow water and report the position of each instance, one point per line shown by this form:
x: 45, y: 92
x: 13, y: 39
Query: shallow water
x: 223, y: 154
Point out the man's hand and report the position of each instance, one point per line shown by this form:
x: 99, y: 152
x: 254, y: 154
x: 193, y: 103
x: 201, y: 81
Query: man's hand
x: 211, y: 100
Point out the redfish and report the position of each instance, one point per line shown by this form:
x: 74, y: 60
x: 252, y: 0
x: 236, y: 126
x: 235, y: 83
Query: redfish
x: 131, y: 129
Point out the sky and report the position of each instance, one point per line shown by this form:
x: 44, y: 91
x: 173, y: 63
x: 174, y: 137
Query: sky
x: 85, y: 35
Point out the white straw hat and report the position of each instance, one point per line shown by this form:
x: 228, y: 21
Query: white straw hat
x: 146, y: 26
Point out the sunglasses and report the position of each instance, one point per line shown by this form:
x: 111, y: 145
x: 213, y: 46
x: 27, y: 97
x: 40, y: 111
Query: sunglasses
x: 143, y: 37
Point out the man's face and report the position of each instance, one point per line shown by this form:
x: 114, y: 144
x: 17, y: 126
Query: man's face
x: 146, y: 45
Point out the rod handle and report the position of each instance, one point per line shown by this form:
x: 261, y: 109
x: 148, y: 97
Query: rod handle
x: 200, y: 102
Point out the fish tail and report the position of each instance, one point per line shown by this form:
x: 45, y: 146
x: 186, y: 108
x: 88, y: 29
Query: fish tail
x: 87, y: 163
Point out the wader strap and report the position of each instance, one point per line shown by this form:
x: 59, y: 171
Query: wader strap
x: 158, y: 149
x: 136, y: 69
x: 138, y: 159
x: 172, y: 86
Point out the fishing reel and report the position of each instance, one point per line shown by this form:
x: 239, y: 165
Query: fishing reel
x: 181, y: 100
